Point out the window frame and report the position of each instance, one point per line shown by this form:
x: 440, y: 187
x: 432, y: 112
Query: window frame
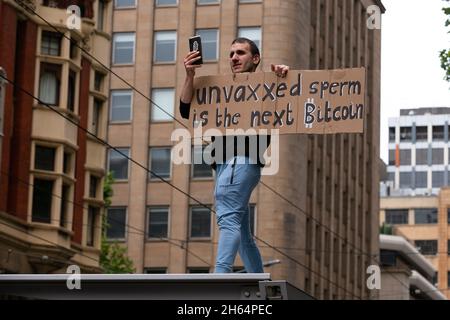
x: 128, y: 163
x: 113, y: 51
x: 217, y: 54
x: 217, y: 2
x: 193, y: 177
x: 125, y: 227
x: 52, y: 35
x: 51, y: 195
x: 207, y: 238
x: 154, y: 107
x: 115, y: 91
x: 147, y: 225
x: 124, y: 7
x: 164, y: 5
x: 155, y: 33
x: 240, y: 28
x: 152, y: 178
x: 56, y: 70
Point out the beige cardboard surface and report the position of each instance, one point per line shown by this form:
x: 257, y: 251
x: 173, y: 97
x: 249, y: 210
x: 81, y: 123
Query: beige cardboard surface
x: 306, y: 101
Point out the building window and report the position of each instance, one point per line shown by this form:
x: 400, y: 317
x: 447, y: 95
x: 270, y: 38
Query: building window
x: 208, y: 1
x: 448, y: 215
x: 421, y: 179
x: 64, y: 210
x: 164, y: 99
x: 67, y: 163
x: 165, y: 46
x: 155, y: 270
x: 405, y: 157
x: 425, y: 216
x: 123, y: 48
x: 71, y: 91
x: 426, y: 247
x: 116, y: 219
x: 405, y: 179
x: 437, y: 179
x: 391, y: 134
x: 405, y: 133
x: 200, y: 223
x: 93, y: 213
x: 249, y: 1
x: 42, y: 200
x: 438, y: 133
x: 391, y: 157
x: 96, y: 112
x: 448, y: 279
x: 160, y: 163
x: 199, y: 168
x: 210, y: 43
x: 421, y: 156
x: 99, y: 79
x: 252, y: 33
x: 44, y: 158
x: 101, y: 15
x: 437, y: 156
x: 158, y: 223
x: 51, y: 43
x: 197, y: 270
x: 73, y: 49
x: 118, y: 164
x: 421, y: 134
x: 388, y: 258
x: 448, y: 247
x: 49, y: 83
x: 397, y: 216
x: 166, y: 2
x: 93, y: 186
x: 125, y: 4
x: 121, y: 102
x: 391, y: 176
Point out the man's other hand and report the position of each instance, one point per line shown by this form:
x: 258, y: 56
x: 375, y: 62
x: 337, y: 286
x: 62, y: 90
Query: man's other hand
x: 280, y: 70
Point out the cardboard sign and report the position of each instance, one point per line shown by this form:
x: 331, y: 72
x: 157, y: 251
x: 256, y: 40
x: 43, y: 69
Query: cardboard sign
x: 319, y: 102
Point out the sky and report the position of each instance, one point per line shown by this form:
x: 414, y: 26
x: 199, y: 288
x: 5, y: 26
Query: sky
x: 413, y: 33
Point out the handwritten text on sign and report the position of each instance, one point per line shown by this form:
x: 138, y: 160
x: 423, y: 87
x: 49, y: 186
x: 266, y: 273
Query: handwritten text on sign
x: 324, y: 101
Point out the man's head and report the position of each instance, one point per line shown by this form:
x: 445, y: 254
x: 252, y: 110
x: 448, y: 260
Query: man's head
x: 244, y: 55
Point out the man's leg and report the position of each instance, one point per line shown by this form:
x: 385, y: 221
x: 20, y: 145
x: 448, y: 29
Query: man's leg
x: 234, y: 186
x: 248, y: 250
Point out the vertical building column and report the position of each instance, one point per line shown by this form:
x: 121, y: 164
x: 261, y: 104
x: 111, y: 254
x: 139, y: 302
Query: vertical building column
x: 20, y: 149
x: 8, y: 24
x: 78, y: 211
x: 178, y: 256
x: 138, y: 178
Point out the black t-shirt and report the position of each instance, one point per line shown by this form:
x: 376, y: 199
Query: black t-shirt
x: 231, y: 148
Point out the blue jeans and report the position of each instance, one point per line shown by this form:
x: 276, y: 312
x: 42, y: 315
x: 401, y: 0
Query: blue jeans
x: 235, y: 181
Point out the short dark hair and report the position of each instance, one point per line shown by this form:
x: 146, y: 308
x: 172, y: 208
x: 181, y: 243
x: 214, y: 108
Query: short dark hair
x: 253, y: 47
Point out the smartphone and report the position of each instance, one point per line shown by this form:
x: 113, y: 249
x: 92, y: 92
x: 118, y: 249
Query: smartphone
x: 195, y: 44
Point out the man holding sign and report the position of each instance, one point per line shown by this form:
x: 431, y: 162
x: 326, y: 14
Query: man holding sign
x: 237, y: 173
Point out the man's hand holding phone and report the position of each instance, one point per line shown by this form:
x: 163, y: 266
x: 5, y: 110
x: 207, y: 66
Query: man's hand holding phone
x: 194, y: 58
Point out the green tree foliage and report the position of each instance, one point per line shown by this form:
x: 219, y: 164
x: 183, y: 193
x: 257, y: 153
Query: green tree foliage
x: 386, y: 229
x: 445, y: 54
x: 113, y: 257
